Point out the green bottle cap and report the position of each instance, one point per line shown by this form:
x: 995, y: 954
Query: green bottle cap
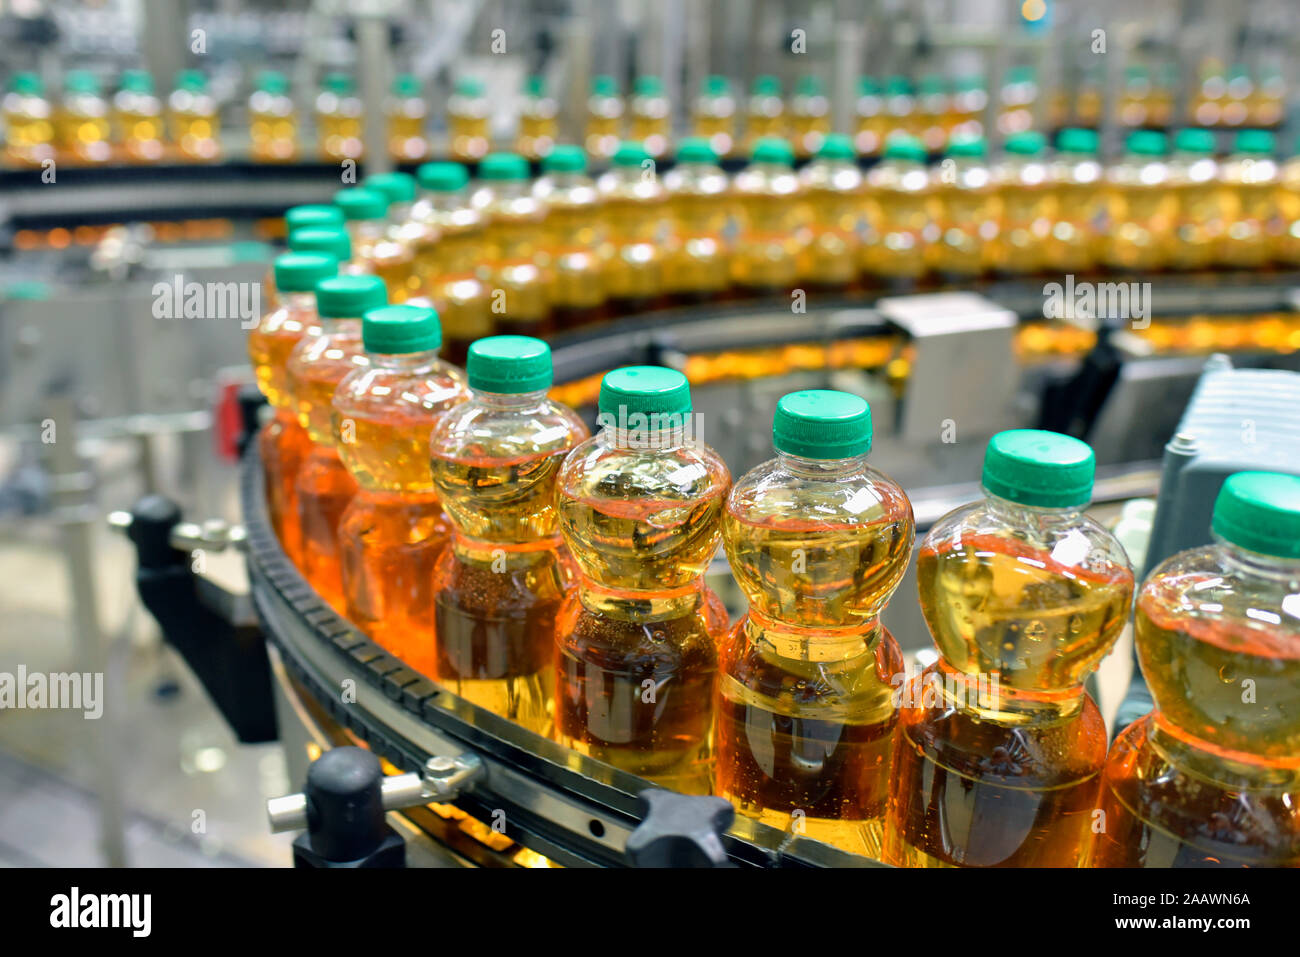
x: 1037, y: 468
x: 898, y: 86
x: 822, y: 424
x: 1146, y: 143
x: 192, y: 80
x: 398, y: 330
x: 715, y: 85
x: 970, y: 84
x: 359, y: 203
x: 406, y: 85
x: 442, y: 177
x: 1194, y: 141
x: 337, y: 83
x: 136, y: 81
x: 773, y: 149
x: 26, y: 83
x: 1260, y: 512
x: 1255, y: 142
x: 647, y: 391
x: 1021, y: 74
x: 81, y: 81
x: 535, y: 85
x: 1076, y: 140
x: 867, y: 86
x: 933, y: 84
x: 509, y: 365
x: 500, y: 167
x: 809, y: 85
x: 900, y: 146
x: 629, y: 153
x: 837, y: 146
x: 648, y: 86
x: 398, y: 187
x: 469, y: 86
x: 604, y: 85
x: 300, y: 272
x: 349, y: 297
x: 331, y: 240
x: 565, y: 158
x: 968, y: 146
x: 270, y: 81
x: 1027, y: 143
x: 312, y: 215
x: 767, y: 85
x: 696, y: 149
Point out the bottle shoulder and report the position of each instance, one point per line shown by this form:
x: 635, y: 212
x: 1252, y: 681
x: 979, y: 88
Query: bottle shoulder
x: 600, y: 466
x: 480, y: 430
x: 381, y: 390
x: 855, y: 496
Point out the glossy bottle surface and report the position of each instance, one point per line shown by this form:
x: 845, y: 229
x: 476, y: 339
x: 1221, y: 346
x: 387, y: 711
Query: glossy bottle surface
x: 574, y: 243
x: 964, y: 209
x: 699, y: 259
x: 339, y: 117
x: 1078, y: 223
x: 635, y: 209
x: 1027, y: 207
x: 898, y: 213
x: 832, y: 188
x: 272, y: 122
x: 771, y: 221
x: 1142, y: 211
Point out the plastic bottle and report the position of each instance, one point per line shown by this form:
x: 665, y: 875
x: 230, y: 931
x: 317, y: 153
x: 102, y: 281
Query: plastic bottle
x: 933, y: 114
x: 1016, y: 100
x: 1026, y: 203
x: 1000, y: 749
x: 1269, y: 104
x: 771, y: 220
x: 515, y: 223
x: 331, y: 240
x: 450, y: 265
x: 1135, y: 99
x: 404, y: 229
x: 1249, y: 179
x: 1202, y: 212
x: 651, y: 116
x: 1142, y: 210
x: 898, y: 212
x: 193, y: 122
x: 1206, y: 108
x: 900, y: 108
x: 1211, y: 777
x: 85, y: 135
x: 138, y: 116
x: 969, y: 99
x: 636, y: 643
x: 498, y: 588
x: 365, y: 211
x: 964, y: 208
x: 1078, y: 224
x: 408, y: 118
x: 832, y: 188
x: 699, y: 257
x: 818, y: 541
x: 316, y: 366
x: 469, y: 121
x: 539, y: 125
x: 810, y: 116
x: 272, y: 120
x: 870, y: 123
x: 636, y: 213
x: 604, y: 127
x: 308, y: 218
x: 393, y: 530
x: 283, y: 443
x: 1288, y: 206
x: 28, y: 121
x: 339, y: 116
x: 574, y: 238
x: 713, y: 116
x: 1238, y: 94
x: 764, y: 113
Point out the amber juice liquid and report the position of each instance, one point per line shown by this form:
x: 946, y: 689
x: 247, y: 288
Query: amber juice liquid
x: 448, y: 270
x: 499, y: 587
x: 1004, y: 776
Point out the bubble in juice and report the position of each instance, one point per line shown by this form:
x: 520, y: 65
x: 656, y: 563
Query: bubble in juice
x: 1142, y: 211
x: 449, y: 262
x: 1202, y: 212
x: 651, y: 117
x: 772, y: 229
x: 1249, y: 179
x: 469, y: 119
x: 699, y: 257
x: 272, y: 120
x: 389, y: 257
x: 193, y: 121
x: 574, y: 239
x: 638, y: 224
x: 515, y: 233
x: 498, y: 588
x: 138, y: 117
x: 408, y: 120
x: 283, y: 443
x: 1026, y: 204
x: 339, y: 117
x: 818, y: 541
x: 1079, y: 217
x: 764, y: 114
x: 810, y: 116
x: 713, y: 116
x: 604, y: 127
x: 1211, y: 777
x: 539, y: 125
x: 964, y: 209
x: 393, y: 530
x: 85, y: 134
x: 832, y: 188
x: 636, y: 643
x: 316, y: 366
x: 28, y: 121
x: 898, y: 212
x: 1000, y: 749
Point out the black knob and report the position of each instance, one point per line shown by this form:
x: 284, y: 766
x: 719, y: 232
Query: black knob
x: 679, y: 830
x: 152, y: 521
x: 345, y: 804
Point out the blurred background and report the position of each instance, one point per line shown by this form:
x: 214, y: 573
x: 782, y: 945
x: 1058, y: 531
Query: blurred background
x: 150, y: 139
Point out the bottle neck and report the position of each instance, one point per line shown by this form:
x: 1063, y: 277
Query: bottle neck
x: 1029, y: 516
x: 510, y: 400
x: 366, y: 228
x: 643, y: 439
x: 343, y: 325
x: 826, y: 469
x: 404, y: 361
x: 300, y: 301
x: 1259, y: 565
